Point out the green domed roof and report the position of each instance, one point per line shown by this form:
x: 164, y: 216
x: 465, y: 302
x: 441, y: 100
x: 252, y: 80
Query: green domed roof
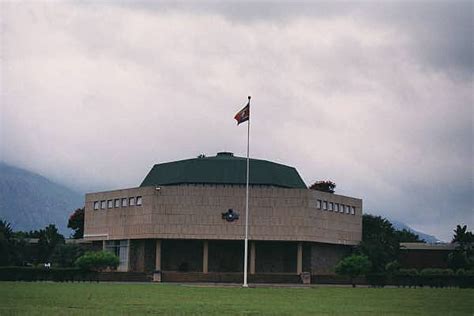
x: 224, y: 168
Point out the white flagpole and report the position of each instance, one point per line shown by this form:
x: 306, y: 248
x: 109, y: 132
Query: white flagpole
x: 247, y: 205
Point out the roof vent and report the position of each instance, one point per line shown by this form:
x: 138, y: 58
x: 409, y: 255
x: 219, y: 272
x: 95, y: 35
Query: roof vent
x: 225, y: 154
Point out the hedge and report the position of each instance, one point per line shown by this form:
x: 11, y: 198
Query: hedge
x: 403, y: 277
x: 426, y: 277
x: 97, y: 261
x: 43, y: 274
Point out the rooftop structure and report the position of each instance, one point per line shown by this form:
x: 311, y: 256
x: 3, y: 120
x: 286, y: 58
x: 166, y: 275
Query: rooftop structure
x: 224, y: 168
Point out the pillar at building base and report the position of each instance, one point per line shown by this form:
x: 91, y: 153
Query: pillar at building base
x: 299, y: 259
x: 157, y: 273
x: 252, y: 257
x: 205, y: 257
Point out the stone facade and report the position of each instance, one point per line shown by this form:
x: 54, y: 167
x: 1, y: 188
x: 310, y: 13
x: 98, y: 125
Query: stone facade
x: 195, y: 212
x: 324, y: 257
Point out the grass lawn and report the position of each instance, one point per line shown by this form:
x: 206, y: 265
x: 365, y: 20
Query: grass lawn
x: 44, y: 298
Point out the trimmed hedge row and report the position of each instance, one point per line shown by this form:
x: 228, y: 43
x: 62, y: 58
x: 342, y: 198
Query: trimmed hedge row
x: 403, y: 277
x: 42, y: 274
x: 425, y: 277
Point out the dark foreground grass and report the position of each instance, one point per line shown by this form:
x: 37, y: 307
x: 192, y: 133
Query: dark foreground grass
x: 45, y: 298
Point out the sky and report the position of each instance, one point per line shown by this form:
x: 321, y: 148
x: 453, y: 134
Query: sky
x: 375, y: 96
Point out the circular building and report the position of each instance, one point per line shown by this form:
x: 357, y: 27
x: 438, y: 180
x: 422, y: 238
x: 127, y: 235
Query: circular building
x: 187, y: 221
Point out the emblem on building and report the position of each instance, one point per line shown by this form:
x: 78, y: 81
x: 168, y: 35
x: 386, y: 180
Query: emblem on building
x: 230, y: 215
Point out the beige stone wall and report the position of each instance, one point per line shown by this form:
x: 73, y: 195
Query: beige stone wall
x: 194, y: 212
x: 324, y: 257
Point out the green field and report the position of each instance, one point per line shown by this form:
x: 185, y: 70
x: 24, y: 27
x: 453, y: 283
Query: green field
x: 44, y: 298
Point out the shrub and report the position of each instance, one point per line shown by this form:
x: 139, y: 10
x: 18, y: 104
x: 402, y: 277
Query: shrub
x: 436, y: 272
x: 377, y: 279
x: 392, y: 267
x: 461, y: 272
x: 406, y: 277
x: 97, y: 261
x: 434, y: 277
x: 353, y: 266
x: 407, y: 272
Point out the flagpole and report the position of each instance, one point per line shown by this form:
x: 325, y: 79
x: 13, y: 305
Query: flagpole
x: 247, y: 205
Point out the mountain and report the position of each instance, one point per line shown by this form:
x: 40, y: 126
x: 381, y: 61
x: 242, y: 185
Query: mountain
x: 29, y: 201
x: 401, y: 226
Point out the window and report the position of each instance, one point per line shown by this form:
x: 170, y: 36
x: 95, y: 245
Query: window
x: 139, y: 200
x: 117, y: 203
x: 96, y: 205
x: 353, y: 210
x: 102, y: 204
x: 325, y: 205
x: 131, y: 201
x: 318, y: 204
x: 120, y: 248
x: 337, y: 207
x: 348, y: 209
x: 110, y: 203
x: 342, y: 209
x: 331, y: 206
x: 124, y: 202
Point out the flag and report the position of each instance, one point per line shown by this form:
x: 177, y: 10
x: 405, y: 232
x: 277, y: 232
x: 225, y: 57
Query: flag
x: 243, y: 115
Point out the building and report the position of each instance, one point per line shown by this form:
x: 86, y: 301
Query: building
x: 188, y: 216
x: 424, y: 255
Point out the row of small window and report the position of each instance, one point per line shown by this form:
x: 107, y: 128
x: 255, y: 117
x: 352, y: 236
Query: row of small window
x: 123, y: 202
x: 335, y: 207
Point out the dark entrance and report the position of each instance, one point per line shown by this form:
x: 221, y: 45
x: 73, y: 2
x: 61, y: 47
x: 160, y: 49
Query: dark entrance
x: 181, y: 255
x: 226, y: 256
x: 275, y: 257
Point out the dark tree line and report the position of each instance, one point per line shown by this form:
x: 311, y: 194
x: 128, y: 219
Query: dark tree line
x: 381, y: 244
x: 33, y: 247
x: 47, y: 245
x: 381, y: 241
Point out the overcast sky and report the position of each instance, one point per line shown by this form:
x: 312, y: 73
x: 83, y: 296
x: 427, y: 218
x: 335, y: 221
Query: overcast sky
x: 376, y: 96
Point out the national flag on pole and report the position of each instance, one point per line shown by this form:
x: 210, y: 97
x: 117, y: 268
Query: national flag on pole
x: 243, y: 115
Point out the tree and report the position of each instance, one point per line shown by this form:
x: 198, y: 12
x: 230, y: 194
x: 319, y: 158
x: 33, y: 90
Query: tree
x: 66, y: 255
x: 97, y: 261
x: 407, y: 236
x: 353, y: 266
x: 6, y: 243
x: 462, y: 235
x: 463, y: 255
x: 49, y: 238
x: 324, y: 186
x: 76, y: 223
x: 379, y: 241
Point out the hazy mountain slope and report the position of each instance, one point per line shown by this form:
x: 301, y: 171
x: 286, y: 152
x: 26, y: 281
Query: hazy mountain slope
x: 29, y: 201
x: 400, y: 226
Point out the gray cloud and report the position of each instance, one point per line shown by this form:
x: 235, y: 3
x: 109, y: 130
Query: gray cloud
x: 440, y: 31
x: 377, y: 97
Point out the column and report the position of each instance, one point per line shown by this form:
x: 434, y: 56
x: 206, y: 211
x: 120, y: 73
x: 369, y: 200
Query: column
x: 157, y: 273
x: 126, y: 249
x: 252, y: 257
x: 158, y: 255
x: 299, y: 259
x: 205, y: 257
